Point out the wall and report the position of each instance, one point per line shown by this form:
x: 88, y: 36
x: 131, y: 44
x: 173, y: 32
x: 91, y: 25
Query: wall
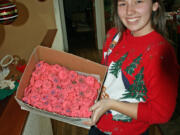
x: 28, y: 30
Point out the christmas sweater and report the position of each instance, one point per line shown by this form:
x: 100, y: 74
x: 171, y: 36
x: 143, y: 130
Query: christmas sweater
x: 141, y: 70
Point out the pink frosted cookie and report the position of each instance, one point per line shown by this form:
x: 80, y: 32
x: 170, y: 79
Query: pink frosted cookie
x: 39, y: 65
x: 27, y: 91
x: 46, y: 84
x: 44, y: 98
x: 66, y: 104
x: 26, y: 100
x: 83, y: 87
x: 80, y: 79
x: 54, y: 101
x: 70, y: 97
x: 32, y: 80
x: 36, y: 74
x: 63, y: 74
x: 85, y: 112
x: 38, y: 83
x: 54, y: 78
x: 73, y: 75
x: 34, y: 98
x: 56, y: 67
x: 49, y: 108
x: 97, y: 85
x: 56, y: 108
x: 90, y: 80
x: 39, y: 105
x: 89, y: 93
x: 76, y: 113
x: 65, y: 83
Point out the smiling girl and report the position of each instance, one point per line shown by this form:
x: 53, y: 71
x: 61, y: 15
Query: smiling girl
x: 142, y: 79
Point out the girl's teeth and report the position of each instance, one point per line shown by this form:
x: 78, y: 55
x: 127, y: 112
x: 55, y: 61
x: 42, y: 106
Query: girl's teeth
x: 132, y: 20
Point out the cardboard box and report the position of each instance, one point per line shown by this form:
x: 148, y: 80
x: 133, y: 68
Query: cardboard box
x: 68, y: 60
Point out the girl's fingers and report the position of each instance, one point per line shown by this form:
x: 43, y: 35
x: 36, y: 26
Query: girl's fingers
x: 88, y: 123
x: 94, y: 107
x: 97, y: 111
x: 97, y: 114
x: 94, y: 118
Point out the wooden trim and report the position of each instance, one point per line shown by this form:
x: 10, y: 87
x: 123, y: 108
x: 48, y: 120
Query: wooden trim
x: 94, y: 23
x: 49, y: 38
x: 100, y: 22
x: 12, y: 118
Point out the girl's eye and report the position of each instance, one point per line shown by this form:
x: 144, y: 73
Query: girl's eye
x: 121, y: 4
x: 139, y: 1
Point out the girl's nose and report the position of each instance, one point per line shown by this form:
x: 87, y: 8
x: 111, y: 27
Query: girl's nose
x: 130, y: 9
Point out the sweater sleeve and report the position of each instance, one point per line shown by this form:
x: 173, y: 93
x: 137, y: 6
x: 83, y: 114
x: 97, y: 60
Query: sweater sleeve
x: 161, y: 73
x: 109, y: 36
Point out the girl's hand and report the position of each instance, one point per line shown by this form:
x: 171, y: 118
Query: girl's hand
x: 102, y: 106
x: 98, y: 110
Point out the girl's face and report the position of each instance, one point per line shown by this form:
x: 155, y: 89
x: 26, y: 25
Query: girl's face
x: 136, y: 15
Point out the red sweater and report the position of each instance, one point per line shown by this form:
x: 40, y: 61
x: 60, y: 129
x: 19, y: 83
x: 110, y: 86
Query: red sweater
x: 159, y: 79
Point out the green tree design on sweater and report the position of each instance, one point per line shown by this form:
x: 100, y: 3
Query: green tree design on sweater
x: 138, y: 89
x: 116, y: 67
x: 130, y: 69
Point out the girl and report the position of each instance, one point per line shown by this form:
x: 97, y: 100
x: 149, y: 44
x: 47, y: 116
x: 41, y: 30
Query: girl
x: 141, y: 84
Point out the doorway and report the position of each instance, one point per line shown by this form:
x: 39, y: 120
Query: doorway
x: 61, y: 40
x: 80, y: 24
